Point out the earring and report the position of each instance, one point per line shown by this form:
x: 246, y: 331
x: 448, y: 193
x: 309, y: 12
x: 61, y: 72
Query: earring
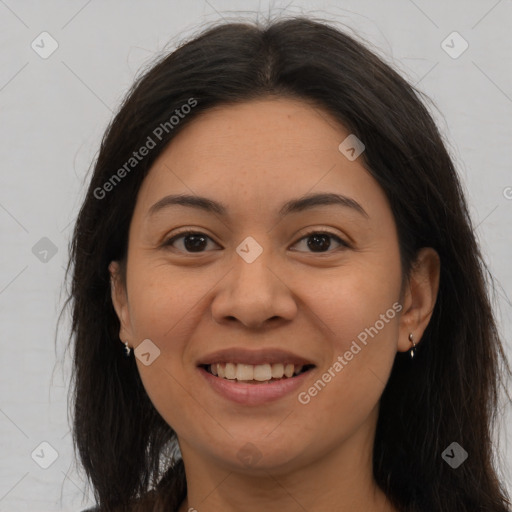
x: 413, y: 349
x: 127, y: 349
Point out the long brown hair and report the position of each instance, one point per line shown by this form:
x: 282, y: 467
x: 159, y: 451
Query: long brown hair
x: 450, y: 390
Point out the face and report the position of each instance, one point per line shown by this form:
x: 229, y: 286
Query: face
x: 263, y: 285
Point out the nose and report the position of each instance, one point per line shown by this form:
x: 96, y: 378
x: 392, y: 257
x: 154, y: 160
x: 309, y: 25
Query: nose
x: 255, y: 294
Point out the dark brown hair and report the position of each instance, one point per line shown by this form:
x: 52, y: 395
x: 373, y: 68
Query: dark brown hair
x: 449, y: 392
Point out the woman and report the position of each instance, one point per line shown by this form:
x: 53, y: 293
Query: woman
x: 278, y: 299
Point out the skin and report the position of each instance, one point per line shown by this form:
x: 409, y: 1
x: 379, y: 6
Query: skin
x: 253, y: 157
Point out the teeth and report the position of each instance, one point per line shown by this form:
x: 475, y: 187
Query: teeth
x: 262, y: 372
x: 277, y: 370
x: 230, y: 372
x: 244, y: 372
x: 259, y: 372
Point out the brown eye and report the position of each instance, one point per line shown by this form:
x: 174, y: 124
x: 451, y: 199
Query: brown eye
x: 319, y: 241
x: 193, y: 241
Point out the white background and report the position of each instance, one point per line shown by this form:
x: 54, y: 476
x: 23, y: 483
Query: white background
x: 53, y: 112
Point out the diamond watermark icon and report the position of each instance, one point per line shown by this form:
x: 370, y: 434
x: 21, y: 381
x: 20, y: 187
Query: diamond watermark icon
x: 147, y: 352
x: 249, y: 249
x: 44, y: 45
x: 44, y: 250
x: 44, y: 455
x: 454, y: 455
x: 454, y: 45
x: 351, y: 147
x: 249, y: 455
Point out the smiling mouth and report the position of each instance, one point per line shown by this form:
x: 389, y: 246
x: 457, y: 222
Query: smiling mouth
x: 256, y: 374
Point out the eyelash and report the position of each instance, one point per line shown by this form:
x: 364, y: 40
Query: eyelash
x: 170, y: 241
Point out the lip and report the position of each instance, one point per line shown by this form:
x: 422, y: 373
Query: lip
x: 254, y: 357
x: 254, y: 394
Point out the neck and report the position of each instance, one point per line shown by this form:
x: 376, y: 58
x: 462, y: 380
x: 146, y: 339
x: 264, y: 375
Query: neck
x: 340, y: 480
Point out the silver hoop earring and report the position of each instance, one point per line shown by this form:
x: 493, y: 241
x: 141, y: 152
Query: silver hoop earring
x: 413, y: 349
x: 127, y: 349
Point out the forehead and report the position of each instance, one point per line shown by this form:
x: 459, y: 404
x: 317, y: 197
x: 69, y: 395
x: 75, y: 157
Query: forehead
x: 260, y: 132
x: 256, y: 153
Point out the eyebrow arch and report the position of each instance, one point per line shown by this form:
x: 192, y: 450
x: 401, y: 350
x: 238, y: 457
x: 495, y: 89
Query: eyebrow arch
x: 292, y: 206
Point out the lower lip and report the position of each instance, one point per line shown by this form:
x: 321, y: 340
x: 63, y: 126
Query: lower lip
x: 254, y: 394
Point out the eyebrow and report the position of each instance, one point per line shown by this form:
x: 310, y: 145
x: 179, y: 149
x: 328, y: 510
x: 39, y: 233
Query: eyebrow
x: 293, y: 206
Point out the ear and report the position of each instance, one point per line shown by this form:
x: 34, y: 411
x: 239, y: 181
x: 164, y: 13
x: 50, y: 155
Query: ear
x: 120, y: 303
x: 419, y: 297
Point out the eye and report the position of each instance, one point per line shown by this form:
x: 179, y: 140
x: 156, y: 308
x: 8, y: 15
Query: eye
x: 320, y: 240
x: 194, y: 241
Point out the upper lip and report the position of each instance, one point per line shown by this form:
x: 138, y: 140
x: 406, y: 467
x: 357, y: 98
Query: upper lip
x: 253, y: 357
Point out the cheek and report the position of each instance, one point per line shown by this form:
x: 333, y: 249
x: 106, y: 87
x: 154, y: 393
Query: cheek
x: 361, y: 309
x: 164, y: 302
x: 353, y: 298
x: 165, y: 307
x: 162, y: 310
x: 349, y: 386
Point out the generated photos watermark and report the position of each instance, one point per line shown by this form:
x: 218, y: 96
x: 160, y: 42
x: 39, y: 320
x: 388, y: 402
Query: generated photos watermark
x: 454, y: 455
x: 304, y: 397
x: 137, y: 156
